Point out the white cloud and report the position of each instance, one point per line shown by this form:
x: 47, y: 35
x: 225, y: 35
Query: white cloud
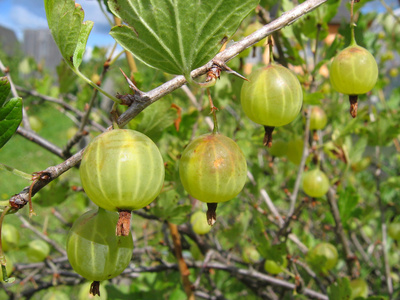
x: 22, y: 18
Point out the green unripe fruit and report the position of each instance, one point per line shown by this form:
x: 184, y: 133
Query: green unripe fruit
x: 93, y: 249
x: 318, y: 118
x: 38, y: 250
x: 213, y: 169
x: 272, y: 96
x: 55, y: 295
x: 199, y: 223
x: 9, y: 237
x: 250, y: 255
x: 394, y: 72
x: 354, y: 71
x: 273, y: 267
x: 359, y: 288
x: 323, y: 257
x: 394, y: 231
x: 36, y: 123
x: 315, y: 183
x: 122, y: 170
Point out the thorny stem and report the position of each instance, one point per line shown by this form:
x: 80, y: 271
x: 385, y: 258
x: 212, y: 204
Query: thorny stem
x: 213, y: 111
x: 3, y: 261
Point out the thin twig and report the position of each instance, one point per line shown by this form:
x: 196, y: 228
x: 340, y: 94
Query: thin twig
x: 37, y: 139
x: 42, y: 236
x: 187, y: 286
x: 377, y: 174
x: 349, y: 255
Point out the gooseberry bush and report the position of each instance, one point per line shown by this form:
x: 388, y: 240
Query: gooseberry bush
x: 208, y: 155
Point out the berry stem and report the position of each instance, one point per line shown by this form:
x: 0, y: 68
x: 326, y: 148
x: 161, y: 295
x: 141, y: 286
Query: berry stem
x: 114, y: 116
x: 124, y: 223
x: 95, y: 288
x: 352, y: 24
x: 213, y: 111
x: 212, y: 213
x: 353, y: 105
x: 268, y: 136
x: 3, y: 261
x: 271, y: 53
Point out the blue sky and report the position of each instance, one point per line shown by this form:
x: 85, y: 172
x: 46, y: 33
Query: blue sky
x: 30, y: 14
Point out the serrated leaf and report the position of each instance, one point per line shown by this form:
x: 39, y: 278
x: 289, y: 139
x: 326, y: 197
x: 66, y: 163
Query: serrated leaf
x: 167, y: 208
x: 177, y: 36
x: 277, y: 252
x: 10, y: 118
x: 68, y: 29
x: 5, y: 89
x: 340, y: 290
x: 348, y: 200
x: 156, y: 118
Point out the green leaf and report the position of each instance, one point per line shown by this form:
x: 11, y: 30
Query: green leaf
x: 177, y: 36
x: 357, y: 150
x: 68, y: 29
x: 277, y: 252
x: 168, y: 209
x: 340, y: 290
x: 156, y: 118
x: 348, y: 200
x: 10, y: 118
x: 5, y: 89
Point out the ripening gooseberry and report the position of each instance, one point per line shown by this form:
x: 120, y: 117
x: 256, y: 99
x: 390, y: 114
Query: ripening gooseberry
x: 273, y: 267
x: 93, y: 249
x: 198, y: 220
x: 250, y: 254
x: 394, y: 230
x: 323, y: 257
x: 359, y: 288
x: 318, y: 118
x: 353, y: 72
x: 122, y: 170
x: 37, y: 250
x: 272, y: 97
x: 9, y: 236
x: 213, y: 169
x: 315, y: 183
